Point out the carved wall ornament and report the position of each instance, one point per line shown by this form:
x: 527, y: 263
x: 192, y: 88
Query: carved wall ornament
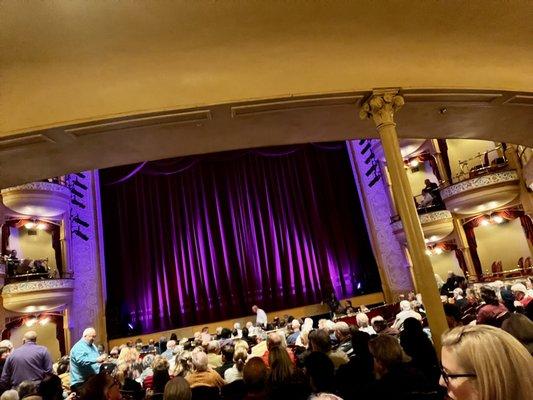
x: 32, y: 286
x: 40, y: 186
x: 381, y: 107
x: 479, y: 182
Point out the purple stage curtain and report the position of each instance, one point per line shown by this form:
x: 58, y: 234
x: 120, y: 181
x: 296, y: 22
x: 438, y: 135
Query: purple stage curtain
x: 203, y: 238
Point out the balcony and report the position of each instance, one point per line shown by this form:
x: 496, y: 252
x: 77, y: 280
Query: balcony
x: 482, y: 194
x: 37, y: 295
x: 436, y: 226
x: 38, y: 199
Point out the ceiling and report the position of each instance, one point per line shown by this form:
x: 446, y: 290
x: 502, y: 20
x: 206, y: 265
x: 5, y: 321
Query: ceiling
x: 66, y: 64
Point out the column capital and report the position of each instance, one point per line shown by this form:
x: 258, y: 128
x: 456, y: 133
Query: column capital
x: 381, y: 106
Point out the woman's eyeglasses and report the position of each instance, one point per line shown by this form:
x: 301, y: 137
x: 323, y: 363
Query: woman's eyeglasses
x: 448, y: 377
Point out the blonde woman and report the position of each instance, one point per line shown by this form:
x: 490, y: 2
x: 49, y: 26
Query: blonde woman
x: 482, y: 362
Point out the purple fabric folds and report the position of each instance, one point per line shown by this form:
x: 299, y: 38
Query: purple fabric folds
x: 203, y: 238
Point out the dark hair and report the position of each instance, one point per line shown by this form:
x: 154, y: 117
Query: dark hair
x: 319, y: 341
x: 177, y: 389
x: 244, y: 333
x: 94, y: 388
x: 489, y: 296
x: 174, y: 337
x: 27, y: 388
x: 227, y: 352
x: 321, y: 372
x: 160, y: 379
x: 50, y: 388
x: 255, y: 374
x: 453, y: 311
x: 225, y: 334
x: 281, y: 368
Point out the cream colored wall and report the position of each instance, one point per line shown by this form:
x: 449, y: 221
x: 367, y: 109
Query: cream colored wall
x: 506, y: 242
x: 416, y: 179
x: 33, y: 246
x: 462, y: 149
x: 46, y: 336
x: 442, y: 263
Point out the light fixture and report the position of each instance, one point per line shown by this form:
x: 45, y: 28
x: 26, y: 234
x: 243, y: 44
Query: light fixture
x: 414, y: 163
x: 438, y: 250
x: 41, y: 226
x: 428, y: 252
x: 44, y: 321
x: 484, y: 222
x: 426, y: 240
x: 30, y: 322
x: 433, y: 238
x: 498, y: 219
x: 29, y: 225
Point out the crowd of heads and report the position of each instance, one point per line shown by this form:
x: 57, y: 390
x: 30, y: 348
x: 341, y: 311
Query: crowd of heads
x: 483, y: 357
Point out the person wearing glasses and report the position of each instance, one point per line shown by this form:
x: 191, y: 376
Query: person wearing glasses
x: 481, y: 362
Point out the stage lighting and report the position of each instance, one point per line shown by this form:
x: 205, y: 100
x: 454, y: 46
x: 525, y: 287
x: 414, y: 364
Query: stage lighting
x: 484, y: 222
x: 29, y: 225
x: 44, y: 321
x: 374, y: 180
x: 77, y: 203
x: 41, y: 226
x: 372, y: 169
x: 76, y: 193
x: 78, y: 220
x: 80, y: 234
x: 366, y: 148
x: 79, y: 184
x: 438, y: 250
x: 81, y: 175
x: 30, y: 322
x: 498, y: 219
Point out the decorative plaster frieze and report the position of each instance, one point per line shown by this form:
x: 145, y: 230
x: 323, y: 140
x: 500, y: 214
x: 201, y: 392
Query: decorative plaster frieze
x: 434, y: 216
x: 39, y: 186
x: 40, y: 285
x: 479, y: 182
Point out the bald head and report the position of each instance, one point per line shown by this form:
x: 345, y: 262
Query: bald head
x: 30, y: 336
x: 89, y: 334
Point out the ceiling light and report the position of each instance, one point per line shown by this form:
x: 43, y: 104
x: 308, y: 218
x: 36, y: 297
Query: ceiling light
x: 414, y: 163
x: 433, y: 238
x: 30, y: 322
x: 428, y: 252
x: 484, y: 222
x: 41, y: 226
x: 438, y: 250
x: 44, y: 321
x: 29, y: 225
x: 498, y: 219
x: 426, y: 240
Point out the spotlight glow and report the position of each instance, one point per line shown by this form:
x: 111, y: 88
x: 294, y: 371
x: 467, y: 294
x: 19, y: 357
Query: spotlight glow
x: 428, y: 252
x: 498, y: 219
x: 29, y: 225
x: 414, y: 163
x: 30, y: 322
x: 438, y: 250
x: 44, y: 321
x: 41, y: 226
x: 484, y: 222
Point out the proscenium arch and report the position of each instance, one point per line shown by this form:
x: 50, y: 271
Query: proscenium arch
x: 69, y: 64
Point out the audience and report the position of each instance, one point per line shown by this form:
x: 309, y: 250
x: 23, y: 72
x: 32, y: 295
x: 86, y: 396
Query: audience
x: 484, y: 362
x: 384, y: 359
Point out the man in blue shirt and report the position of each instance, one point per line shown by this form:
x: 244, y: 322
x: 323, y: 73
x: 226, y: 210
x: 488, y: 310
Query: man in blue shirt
x: 29, y: 362
x: 85, y: 359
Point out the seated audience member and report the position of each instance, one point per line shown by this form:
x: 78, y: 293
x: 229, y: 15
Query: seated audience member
x: 492, y: 312
x: 353, y: 379
x: 344, y: 337
x: 237, y: 331
x: 50, y: 388
x: 160, y: 366
x: 291, y: 339
x: 284, y: 379
x: 260, y: 346
x: 521, y: 295
x: 381, y: 327
x: 183, y: 364
x: 396, y: 379
x: 484, y: 362
x: 147, y: 362
x: 205, y: 336
x: 406, y: 312
x: 416, y: 344
x: 458, y: 298
x: 201, y: 374
x: 303, y: 339
x: 246, y: 337
x: 225, y: 337
x: 274, y: 339
x: 453, y: 315
x: 177, y: 389
x: 27, y: 389
x: 214, y: 359
x: 169, y: 352
x: 521, y: 328
x: 159, y: 380
x: 63, y: 372
x: 5, y: 350
x: 126, y: 374
x: 319, y: 342
x: 236, y: 370
x: 10, y: 394
x: 320, y: 372
x: 241, y: 344
x: 227, y: 359
x: 363, y: 324
x: 324, y: 396
x: 100, y: 387
x: 255, y: 375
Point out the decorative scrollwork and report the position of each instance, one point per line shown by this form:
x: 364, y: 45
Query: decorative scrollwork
x: 479, y: 182
x: 32, y: 286
x: 381, y: 107
x: 42, y: 186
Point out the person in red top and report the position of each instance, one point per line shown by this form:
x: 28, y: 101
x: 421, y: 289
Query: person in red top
x: 520, y: 294
x: 274, y: 340
x: 492, y: 312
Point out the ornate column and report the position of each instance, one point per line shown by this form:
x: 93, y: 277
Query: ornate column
x: 381, y: 108
x: 462, y: 243
x: 64, y: 237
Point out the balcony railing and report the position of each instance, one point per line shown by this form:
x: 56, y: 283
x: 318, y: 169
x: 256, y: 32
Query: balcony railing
x: 485, y: 163
x: 25, y: 270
